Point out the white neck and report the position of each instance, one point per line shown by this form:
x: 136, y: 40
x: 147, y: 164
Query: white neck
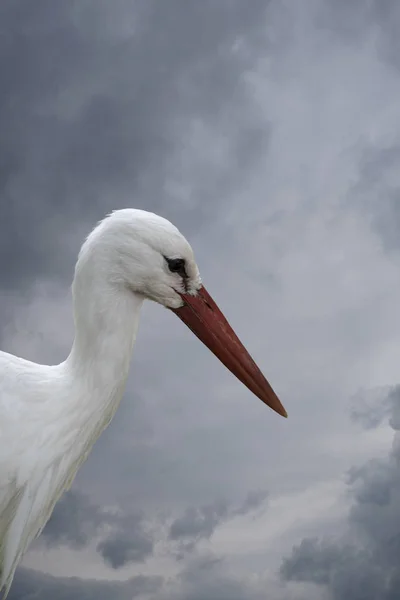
x: 106, y: 323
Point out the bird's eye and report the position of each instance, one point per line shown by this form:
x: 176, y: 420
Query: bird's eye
x: 176, y: 265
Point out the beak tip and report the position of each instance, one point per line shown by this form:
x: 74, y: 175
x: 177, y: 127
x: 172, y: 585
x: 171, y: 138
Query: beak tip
x: 282, y: 412
x: 278, y: 407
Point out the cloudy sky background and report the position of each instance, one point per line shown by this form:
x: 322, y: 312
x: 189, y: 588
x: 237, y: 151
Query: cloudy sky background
x: 269, y: 133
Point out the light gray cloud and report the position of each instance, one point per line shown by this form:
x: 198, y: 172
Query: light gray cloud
x: 379, y: 178
x: 206, y: 579
x: 371, y: 407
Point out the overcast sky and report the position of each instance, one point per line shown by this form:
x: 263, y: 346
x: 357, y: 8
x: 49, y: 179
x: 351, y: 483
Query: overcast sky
x: 268, y: 131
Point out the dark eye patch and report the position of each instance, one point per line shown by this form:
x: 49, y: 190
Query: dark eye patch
x: 177, y: 265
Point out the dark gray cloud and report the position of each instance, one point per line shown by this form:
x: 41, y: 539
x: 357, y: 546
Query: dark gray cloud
x: 347, y: 571
x: 371, y: 407
x: 268, y: 132
x: 358, y: 19
x: 131, y: 544
x: 253, y: 501
x: 126, y: 537
x: 351, y: 20
x: 76, y: 521
x: 30, y: 584
x: 387, y: 15
x: 199, y: 523
x: 92, y: 104
x: 363, y: 564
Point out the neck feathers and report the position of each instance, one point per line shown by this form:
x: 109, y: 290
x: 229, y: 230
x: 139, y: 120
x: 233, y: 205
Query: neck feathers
x: 106, y: 319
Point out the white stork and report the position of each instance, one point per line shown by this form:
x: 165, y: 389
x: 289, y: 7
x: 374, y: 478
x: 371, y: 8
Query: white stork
x: 50, y: 416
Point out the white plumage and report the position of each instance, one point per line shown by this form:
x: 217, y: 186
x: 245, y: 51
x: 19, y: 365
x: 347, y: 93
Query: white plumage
x: 50, y: 416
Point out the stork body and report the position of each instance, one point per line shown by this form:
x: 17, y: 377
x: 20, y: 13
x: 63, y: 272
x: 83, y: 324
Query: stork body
x: 50, y: 416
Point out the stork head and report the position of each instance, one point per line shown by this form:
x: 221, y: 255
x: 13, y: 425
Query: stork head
x: 150, y: 257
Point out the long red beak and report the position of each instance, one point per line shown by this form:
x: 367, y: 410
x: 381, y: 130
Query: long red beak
x: 204, y: 318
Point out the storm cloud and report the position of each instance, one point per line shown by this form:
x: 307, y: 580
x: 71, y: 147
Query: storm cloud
x: 268, y: 132
x: 93, y: 123
x: 75, y: 522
